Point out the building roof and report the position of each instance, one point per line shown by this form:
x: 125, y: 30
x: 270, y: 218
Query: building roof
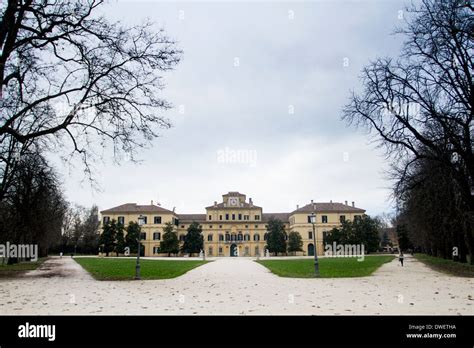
x: 282, y: 216
x: 327, y: 208
x: 135, y: 208
x: 187, y: 218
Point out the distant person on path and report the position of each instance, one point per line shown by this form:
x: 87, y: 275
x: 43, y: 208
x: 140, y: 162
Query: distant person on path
x: 400, y: 258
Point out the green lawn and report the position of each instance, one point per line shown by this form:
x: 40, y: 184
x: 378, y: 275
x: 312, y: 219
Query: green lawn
x: 124, y: 268
x: 7, y: 271
x: 329, y: 267
x: 446, y: 266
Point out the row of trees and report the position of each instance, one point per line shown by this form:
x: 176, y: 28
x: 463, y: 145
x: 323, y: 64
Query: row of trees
x: 278, y: 241
x: 362, y: 231
x: 115, y: 238
x: 420, y: 108
x: 80, y: 231
x: 33, y: 208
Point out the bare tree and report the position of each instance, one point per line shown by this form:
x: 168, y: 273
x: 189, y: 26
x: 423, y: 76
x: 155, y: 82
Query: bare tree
x: 420, y: 106
x: 33, y: 212
x: 70, y: 78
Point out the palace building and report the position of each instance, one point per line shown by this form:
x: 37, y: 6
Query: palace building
x: 235, y: 226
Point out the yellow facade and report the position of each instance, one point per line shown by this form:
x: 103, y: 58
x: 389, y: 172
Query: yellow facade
x: 235, y: 226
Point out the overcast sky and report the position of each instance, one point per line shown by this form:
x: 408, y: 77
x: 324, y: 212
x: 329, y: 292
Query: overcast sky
x: 265, y: 81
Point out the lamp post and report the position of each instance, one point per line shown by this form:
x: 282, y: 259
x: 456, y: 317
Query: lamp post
x: 141, y: 222
x: 316, y: 263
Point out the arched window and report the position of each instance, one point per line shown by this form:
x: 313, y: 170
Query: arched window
x: 227, y: 236
x: 256, y: 237
x: 232, y: 237
x: 209, y: 237
x: 221, y: 237
x: 181, y: 237
x: 265, y: 236
x: 240, y: 236
x: 247, y: 237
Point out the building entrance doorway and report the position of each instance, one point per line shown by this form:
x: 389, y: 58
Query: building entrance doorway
x: 310, y: 250
x: 233, y: 250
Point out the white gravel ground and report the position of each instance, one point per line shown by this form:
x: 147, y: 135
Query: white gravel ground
x: 237, y: 286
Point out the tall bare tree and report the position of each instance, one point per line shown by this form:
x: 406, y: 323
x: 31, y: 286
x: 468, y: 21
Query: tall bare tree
x: 71, y: 78
x: 420, y: 106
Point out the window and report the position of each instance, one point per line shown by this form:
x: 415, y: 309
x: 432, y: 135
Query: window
x: 310, y: 235
x: 324, y: 219
x: 246, y: 217
x: 246, y: 251
x: 220, y: 251
x: 121, y: 220
x: 265, y: 236
x: 106, y: 219
x: 357, y: 217
x: 309, y: 219
x: 257, y: 251
x: 210, y: 251
x: 221, y: 237
x: 209, y: 237
x: 182, y: 226
x: 143, y: 236
x: 342, y: 218
x: 156, y: 236
x: 227, y: 237
x: 145, y: 221
x: 220, y: 226
x: 256, y: 237
x: 210, y: 217
x: 257, y: 217
x: 247, y: 237
x: 233, y: 216
x: 157, y: 220
x: 240, y: 216
x: 220, y: 217
x: 227, y: 216
x: 256, y: 226
x: 156, y: 250
x: 240, y: 236
x: 232, y: 237
x: 210, y: 226
x: 246, y: 226
x: 181, y: 237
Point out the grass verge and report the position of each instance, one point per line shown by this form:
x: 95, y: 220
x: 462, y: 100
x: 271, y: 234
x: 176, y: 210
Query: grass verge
x: 329, y: 267
x: 8, y: 271
x: 447, y: 266
x: 124, y: 269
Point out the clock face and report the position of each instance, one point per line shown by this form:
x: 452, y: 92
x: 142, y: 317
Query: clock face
x: 233, y: 201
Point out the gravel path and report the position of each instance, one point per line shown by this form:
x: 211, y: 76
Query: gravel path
x: 237, y: 286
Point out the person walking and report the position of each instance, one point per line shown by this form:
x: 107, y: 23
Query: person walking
x: 400, y: 258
